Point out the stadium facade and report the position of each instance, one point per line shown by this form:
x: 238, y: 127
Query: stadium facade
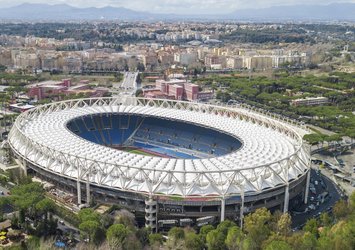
x: 176, y: 162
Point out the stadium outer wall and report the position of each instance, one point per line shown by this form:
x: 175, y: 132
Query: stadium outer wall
x: 163, y: 207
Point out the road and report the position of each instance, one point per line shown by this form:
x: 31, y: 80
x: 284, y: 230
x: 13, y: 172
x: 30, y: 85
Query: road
x: 65, y: 227
x: 300, y: 218
x: 128, y: 86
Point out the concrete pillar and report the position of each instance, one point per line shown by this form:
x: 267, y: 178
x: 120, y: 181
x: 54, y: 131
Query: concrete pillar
x: 88, y: 200
x: 223, y: 209
x: 78, y: 189
x: 306, y: 193
x: 24, y: 167
x: 287, y: 198
x: 242, y: 209
x: 151, y: 213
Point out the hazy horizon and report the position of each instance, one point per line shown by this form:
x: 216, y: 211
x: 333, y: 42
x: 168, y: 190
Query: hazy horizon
x: 177, y: 6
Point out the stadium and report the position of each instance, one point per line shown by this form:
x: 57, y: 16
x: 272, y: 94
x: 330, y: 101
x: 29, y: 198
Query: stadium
x: 176, y: 162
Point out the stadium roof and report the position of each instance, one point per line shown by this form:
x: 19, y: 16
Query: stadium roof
x: 271, y: 155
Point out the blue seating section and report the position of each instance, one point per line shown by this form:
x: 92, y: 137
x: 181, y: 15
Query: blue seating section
x: 155, y: 134
x: 109, y: 130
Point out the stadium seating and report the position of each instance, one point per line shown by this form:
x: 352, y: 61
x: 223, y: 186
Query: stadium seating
x: 170, y: 138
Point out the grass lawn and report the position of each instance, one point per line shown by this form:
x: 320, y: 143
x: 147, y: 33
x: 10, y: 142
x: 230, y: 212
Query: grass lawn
x: 139, y: 152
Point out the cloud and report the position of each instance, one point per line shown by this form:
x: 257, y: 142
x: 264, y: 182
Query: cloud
x: 177, y: 6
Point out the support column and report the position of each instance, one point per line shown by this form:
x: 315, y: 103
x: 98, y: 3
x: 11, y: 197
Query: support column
x: 223, y: 208
x: 287, y: 198
x: 151, y: 207
x: 306, y: 193
x: 24, y: 166
x: 78, y: 188
x: 242, y: 209
x: 88, y: 200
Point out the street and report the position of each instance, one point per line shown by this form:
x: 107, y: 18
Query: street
x: 324, y: 184
x: 128, y: 85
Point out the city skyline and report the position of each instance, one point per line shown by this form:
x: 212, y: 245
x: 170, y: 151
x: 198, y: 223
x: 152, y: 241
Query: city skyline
x: 177, y: 7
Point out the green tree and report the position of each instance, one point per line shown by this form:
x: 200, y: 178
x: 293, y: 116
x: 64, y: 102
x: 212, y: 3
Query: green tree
x: 156, y: 240
x: 352, y: 202
x: 344, y: 235
x: 256, y: 225
x: 325, y: 220
x: 224, y: 226
x: 132, y: 242
x: 234, y: 238
x: 193, y: 241
x: 45, y: 206
x: 278, y: 245
x: 309, y: 241
x: 313, y: 139
x: 295, y: 240
x: 25, y: 197
x: 88, y: 214
x: 325, y: 241
x: 117, y: 236
x: 176, y: 237
x: 340, y: 209
x: 204, y: 230
x: 143, y: 235
x: 176, y: 232
x: 90, y: 230
x: 284, y: 225
x: 215, y: 240
x: 311, y: 226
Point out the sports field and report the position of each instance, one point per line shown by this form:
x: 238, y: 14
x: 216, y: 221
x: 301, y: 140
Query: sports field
x: 139, y: 151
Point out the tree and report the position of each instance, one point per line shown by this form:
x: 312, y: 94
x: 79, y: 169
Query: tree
x: 234, y: 238
x: 215, y: 240
x: 313, y: 139
x: 204, y: 230
x: 325, y: 220
x: 340, y: 209
x: 284, y: 225
x: 278, y: 245
x: 224, y: 226
x: 309, y: 241
x: 352, y: 203
x: 344, y: 235
x: 312, y: 227
x: 143, y: 235
x: 193, y: 241
x: 90, y: 230
x: 295, y: 240
x: 117, y: 236
x: 176, y: 236
x: 28, y: 195
x: 88, y: 214
x: 90, y: 225
x: 256, y: 225
x: 132, y: 242
x: 156, y: 240
x: 45, y: 206
x: 325, y: 241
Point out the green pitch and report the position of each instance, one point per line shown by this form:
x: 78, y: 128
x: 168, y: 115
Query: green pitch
x: 139, y: 152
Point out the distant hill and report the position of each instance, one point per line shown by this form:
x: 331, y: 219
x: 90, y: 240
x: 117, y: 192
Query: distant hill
x: 336, y: 11
x: 65, y: 12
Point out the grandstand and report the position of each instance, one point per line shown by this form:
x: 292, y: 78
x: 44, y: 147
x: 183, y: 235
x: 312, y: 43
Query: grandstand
x: 167, y: 159
x: 162, y: 137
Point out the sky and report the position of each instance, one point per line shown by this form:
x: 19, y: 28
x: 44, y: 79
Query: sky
x: 177, y: 6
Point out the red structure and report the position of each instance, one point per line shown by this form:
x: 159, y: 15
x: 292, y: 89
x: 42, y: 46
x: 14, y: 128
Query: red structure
x: 177, y: 89
x: 56, y: 89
